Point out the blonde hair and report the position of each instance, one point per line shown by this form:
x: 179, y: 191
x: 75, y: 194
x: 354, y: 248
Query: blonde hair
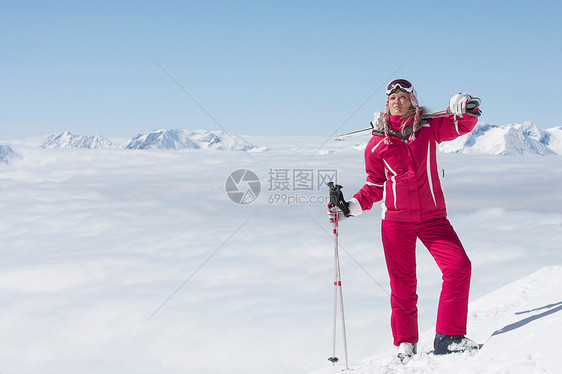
x: 408, y: 117
x: 414, y: 114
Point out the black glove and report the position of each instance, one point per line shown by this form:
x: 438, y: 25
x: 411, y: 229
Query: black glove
x: 337, y: 200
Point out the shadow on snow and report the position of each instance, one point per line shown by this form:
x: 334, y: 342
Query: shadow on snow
x: 552, y: 308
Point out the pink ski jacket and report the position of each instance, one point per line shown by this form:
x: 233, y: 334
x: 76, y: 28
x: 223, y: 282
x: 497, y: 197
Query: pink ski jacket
x: 406, y: 174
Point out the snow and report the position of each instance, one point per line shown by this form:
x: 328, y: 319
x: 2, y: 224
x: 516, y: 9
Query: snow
x: 136, y: 261
x: 516, y: 326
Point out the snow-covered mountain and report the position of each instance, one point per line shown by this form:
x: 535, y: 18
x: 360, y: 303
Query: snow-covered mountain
x: 555, y: 141
x: 157, y: 139
x: 68, y: 140
x: 511, y: 139
x: 162, y: 139
x: 7, y: 153
x: 189, y: 139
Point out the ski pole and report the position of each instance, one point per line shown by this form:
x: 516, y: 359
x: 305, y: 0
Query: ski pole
x: 338, y: 292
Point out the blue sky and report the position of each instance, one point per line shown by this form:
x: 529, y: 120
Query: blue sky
x: 268, y: 68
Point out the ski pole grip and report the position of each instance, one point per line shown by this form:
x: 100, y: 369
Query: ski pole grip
x: 336, y: 198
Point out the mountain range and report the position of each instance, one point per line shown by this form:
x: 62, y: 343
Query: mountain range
x: 157, y: 139
x: 68, y: 140
x: 510, y: 139
x: 189, y: 139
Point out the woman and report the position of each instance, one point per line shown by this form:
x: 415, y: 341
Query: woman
x: 402, y: 167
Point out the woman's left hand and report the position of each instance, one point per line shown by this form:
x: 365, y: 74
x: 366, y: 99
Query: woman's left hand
x: 457, y: 104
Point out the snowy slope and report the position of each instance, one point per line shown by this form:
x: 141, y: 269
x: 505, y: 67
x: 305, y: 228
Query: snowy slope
x: 513, y: 139
x: 68, y: 140
x: 517, y: 326
x: 526, y: 320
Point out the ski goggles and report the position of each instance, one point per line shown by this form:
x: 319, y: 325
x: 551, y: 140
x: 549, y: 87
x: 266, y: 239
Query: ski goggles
x: 403, y: 84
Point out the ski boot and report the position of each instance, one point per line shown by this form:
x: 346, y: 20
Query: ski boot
x: 406, y: 351
x: 445, y: 344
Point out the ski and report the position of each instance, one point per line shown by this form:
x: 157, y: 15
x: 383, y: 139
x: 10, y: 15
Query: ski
x: 472, y: 109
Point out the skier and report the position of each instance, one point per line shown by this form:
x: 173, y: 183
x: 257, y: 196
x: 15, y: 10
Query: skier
x: 402, y: 166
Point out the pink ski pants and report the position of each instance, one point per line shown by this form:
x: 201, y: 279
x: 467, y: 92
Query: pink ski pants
x: 399, y: 241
